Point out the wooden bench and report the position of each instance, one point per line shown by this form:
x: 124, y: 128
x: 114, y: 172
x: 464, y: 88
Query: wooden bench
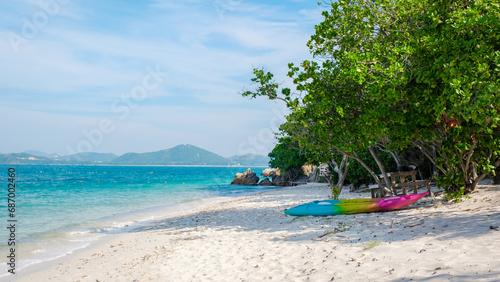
x: 403, y: 183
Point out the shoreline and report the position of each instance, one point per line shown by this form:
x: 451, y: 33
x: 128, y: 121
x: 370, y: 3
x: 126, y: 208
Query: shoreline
x: 101, y: 206
x: 32, y: 270
x: 128, y: 165
x: 126, y: 224
x: 250, y: 238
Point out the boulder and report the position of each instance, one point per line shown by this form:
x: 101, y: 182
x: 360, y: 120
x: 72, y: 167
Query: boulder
x: 247, y: 178
x: 308, y: 169
x: 278, y: 180
x: 268, y: 172
x: 265, y: 182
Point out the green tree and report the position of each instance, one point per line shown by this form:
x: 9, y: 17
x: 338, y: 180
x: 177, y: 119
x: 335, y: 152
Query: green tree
x: 456, y: 84
x: 328, y: 126
x: 421, y: 73
x: 289, y: 158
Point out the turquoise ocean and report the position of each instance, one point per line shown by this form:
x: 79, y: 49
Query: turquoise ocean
x: 62, y: 208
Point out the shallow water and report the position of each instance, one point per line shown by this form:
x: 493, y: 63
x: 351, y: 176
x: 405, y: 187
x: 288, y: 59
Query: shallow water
x: 61, y: 208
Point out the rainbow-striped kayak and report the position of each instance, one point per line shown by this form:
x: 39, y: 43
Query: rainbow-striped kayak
x: 350, y: 206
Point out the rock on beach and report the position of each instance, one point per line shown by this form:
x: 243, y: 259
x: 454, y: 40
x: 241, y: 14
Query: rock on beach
x: 265, y: 182
x: 247, y: 178
x: 268, y: 172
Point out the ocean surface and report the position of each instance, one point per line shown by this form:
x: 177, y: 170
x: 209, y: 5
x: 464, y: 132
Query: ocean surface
x: 62, y: 208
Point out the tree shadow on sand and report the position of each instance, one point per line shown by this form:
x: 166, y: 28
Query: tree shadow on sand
x: 267, y: 216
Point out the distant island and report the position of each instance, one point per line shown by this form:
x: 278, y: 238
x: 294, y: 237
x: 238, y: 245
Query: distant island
x: 178, y: 155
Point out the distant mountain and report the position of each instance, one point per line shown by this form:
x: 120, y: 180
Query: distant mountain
x: 23, y: 158
x: 89, y: 157
x: 179, y: 155
x: 42, y: 154
x: 250, y: 160
x: 36, y: 158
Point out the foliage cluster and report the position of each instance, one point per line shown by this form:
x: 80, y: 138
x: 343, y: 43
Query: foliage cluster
x: 400, y: 74
x: 289, y: 158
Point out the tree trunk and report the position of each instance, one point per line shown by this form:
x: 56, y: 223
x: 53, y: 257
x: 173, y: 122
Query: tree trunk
x: 384, y: 173
x: 314, y: 177
x: 473, y: 186
x: 354, y: 156
x: 344, y: 165
x: 395, y: 157
x: 372, y: 173
x: 428, y: 155
x: 341, y: 170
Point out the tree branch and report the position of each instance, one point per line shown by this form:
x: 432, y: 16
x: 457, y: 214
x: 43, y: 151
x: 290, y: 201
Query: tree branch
x: 427, y: 155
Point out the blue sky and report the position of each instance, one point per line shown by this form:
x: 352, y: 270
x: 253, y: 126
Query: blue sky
x: 141, y: 76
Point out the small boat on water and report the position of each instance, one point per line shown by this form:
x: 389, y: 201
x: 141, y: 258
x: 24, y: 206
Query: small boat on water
x: 350, y: 206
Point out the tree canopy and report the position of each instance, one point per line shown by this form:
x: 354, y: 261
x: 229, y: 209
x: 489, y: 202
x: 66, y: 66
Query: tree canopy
x: 401, y: 73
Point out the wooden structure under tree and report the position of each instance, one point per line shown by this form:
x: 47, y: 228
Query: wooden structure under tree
x: 403, y: 183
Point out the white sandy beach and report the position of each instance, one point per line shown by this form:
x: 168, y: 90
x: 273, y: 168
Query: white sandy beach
x: 251, y: 239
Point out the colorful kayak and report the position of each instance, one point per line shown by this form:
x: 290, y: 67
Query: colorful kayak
x: 350, y: 206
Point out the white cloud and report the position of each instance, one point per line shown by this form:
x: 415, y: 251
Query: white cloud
x: 76, y: 67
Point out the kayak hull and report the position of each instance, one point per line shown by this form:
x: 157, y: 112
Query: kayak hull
x: 351, y: 206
